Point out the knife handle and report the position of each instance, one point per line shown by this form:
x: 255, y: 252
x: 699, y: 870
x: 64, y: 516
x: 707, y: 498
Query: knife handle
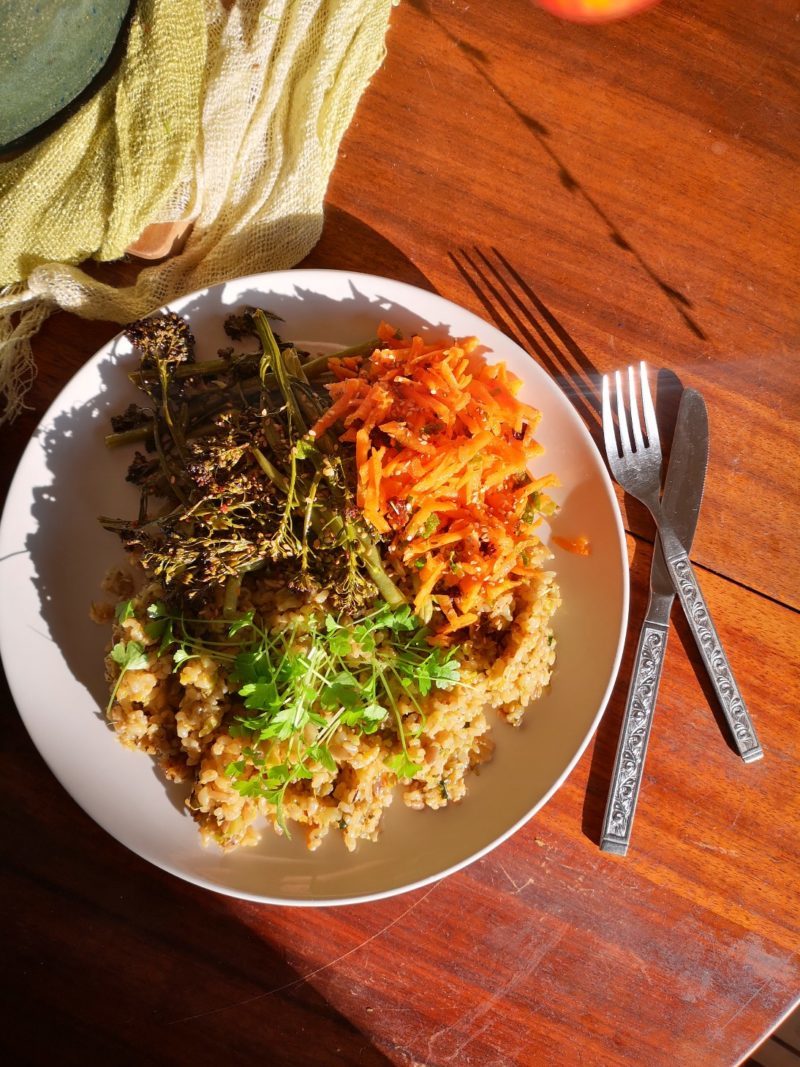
x: 632, y: 746
x: 714, y: 658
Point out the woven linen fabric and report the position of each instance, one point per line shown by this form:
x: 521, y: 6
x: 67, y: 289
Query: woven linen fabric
x: 230, y: 116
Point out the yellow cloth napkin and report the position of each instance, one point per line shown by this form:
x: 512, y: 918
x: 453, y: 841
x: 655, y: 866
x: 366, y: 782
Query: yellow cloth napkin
x: 230, y: 115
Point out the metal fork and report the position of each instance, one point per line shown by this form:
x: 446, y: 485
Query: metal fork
x: 637, y: 468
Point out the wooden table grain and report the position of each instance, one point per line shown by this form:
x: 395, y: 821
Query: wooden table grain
x: 603, y: 194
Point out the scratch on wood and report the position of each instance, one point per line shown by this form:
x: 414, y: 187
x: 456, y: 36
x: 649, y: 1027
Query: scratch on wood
x: 741, y: 1007
x: 738, y: 813
x: 311, y: 974
x: 717, y: 848
x: 424, y: 65
x: 575, y: 870
x: 518, y: 886
x: 466, y: 1022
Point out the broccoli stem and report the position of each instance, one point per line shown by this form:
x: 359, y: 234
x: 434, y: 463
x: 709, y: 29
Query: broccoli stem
x: 313, y: 369
x: 231, y: 598
x: 271, y: 471
x: 281, y: 404
x: 359, y: 538
x: 207, y: 368
x: 129, y: 437
x: 273, y: 358
x: 372, y: 561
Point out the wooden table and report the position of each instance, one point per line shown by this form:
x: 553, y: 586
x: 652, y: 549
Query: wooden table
x: 604, y: 195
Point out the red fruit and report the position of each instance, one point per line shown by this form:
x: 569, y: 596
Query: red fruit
x: 594, y: 10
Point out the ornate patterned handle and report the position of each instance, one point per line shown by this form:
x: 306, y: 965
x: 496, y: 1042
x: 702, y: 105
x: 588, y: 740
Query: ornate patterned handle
x: 716, y: 662
x: 632, y: 746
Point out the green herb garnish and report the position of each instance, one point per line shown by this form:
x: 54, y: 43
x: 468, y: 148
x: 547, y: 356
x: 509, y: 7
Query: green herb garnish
x: 129, y: 656
x: 299, y: 688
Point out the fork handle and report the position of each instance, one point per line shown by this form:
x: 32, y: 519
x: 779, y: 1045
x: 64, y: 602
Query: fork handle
x: 632, y: 745
x: 710, y: 647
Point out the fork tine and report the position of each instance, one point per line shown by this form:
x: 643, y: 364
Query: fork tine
x: 622, y: 418
x: 635, y: 422
x: 612, y: 448
x: 650, y: 423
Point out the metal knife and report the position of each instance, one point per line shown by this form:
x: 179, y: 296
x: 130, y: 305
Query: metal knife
x: 683, y: 492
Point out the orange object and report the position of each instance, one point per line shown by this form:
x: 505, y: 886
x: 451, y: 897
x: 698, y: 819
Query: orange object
x: 579, y: 545
x: 442, y: 448
x: 160, y: 239
x: 594, y: 10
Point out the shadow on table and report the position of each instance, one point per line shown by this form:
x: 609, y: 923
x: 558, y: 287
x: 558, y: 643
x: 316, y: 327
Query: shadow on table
x: 128, y: 963
x: 347, y: 243
x: 481, y: 62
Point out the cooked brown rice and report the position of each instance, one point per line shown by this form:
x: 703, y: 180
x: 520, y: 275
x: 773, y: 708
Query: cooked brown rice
x: 182, y: 717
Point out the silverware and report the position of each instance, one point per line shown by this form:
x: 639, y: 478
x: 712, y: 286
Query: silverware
x: 637, y: 468
x: 683, y: 492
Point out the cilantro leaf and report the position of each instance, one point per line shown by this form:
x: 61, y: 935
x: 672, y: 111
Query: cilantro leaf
x: 339, y: 639
x: 278, y: 774
x: 252, y: 666
x: 262, y: 695
x: 248, y: 787
x: 322, y: 754
x: 160, y: 629
x: 167, y: 638
x: 437, y: 669
x: 364, y: 637
x: 180, y: 656
x: 374, y: 712
x: 130, y: 656
x: 343, y: 691
x: 403, y: 766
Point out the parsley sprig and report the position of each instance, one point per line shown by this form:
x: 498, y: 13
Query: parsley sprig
x: 129, y: 656
x: 298, y: 688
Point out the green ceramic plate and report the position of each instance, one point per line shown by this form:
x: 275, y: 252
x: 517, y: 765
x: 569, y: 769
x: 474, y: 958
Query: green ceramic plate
x: 52, y: 50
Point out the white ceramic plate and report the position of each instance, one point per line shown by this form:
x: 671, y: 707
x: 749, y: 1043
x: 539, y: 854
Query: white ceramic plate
x: 53, y: 555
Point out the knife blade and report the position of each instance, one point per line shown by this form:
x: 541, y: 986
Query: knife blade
x: 683, y: 494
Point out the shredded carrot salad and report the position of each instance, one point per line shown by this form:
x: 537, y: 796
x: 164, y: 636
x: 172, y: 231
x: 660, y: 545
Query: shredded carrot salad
x: 442, y: 449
